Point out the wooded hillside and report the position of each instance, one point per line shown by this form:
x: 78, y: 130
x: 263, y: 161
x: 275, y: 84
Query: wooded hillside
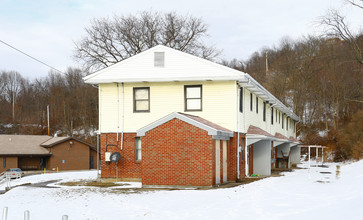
x: 73, y: 105
x: 320, y: 79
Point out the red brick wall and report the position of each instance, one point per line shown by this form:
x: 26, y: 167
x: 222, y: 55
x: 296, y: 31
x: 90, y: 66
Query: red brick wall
x: 128, y: 168
x: 242, y: 165
x: 250, y: 160
x: 177, y: 153
x: 232, y: 158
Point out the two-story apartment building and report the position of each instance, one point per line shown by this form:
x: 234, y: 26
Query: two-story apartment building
x: 177, y: 119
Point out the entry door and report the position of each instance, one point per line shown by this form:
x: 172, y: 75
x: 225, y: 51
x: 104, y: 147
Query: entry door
x: 91, y: 162
x: 224, y: 161
x: 218, y: 161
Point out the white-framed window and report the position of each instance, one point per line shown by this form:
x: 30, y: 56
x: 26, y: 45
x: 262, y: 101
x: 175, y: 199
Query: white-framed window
x: 193, y: 97
x: 251, y: 102
x: 264, y: 111
x: 142, y: 99
x: 241, y: 99
x: 137, y: 148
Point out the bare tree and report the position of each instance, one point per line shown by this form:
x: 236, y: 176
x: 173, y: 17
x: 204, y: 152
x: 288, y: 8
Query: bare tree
x: 336, y: 26
x: 109, y: 41
x: 357, y: 3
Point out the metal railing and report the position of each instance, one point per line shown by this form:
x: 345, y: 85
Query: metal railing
x: 26, y: 215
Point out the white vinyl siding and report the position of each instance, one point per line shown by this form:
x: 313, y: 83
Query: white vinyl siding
x: 219, y: 104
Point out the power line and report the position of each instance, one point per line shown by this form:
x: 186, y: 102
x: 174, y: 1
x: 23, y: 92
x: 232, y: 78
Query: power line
x: 31, y: 56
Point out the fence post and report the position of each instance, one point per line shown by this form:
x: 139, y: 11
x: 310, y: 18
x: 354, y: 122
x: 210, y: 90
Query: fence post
x: 5, y: 213
x: 26, y: 215
x: 65, y: 217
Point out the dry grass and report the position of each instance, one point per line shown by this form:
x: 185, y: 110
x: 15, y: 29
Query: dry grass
x: 93, y: 183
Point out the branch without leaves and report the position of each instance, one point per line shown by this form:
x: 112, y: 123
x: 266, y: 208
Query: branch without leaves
x: 109, y: 41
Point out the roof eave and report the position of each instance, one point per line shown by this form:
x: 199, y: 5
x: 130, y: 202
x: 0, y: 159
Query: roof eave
x: 163, y: 79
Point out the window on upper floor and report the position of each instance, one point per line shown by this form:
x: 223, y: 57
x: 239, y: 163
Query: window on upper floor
x: 4, y: 162
x: 294, y: 126
x: 142, y: 99
x: 251, y: 101
x: 272, y: 115
x: 137, y: 148
x: 276, y: 115
x: 193, y: 97
x: 264, y: 111
x: 241, y: 100
x: 256, y: 104
x: 279, y: 117
x: 282, y: 120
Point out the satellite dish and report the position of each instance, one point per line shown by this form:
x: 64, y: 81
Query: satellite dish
x: 115, y: 157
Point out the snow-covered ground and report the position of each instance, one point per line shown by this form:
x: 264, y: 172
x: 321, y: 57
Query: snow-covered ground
x: 302, y: 194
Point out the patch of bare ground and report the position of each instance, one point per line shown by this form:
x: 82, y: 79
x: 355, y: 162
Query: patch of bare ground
x: 92, y: 183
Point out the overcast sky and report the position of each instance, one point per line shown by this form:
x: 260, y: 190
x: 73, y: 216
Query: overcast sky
x: 47, y: 29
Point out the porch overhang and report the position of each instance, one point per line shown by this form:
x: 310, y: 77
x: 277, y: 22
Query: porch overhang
x: 280, y: 141
x: 254, y: 138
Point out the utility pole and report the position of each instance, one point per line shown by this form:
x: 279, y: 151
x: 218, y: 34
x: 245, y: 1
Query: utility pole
x: 48, y: 119
x: 14, y: 96
x: 266, y: 62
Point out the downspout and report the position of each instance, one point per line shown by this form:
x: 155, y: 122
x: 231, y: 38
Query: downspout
x: 245, y: 129
x: 238, y: 137
x: 123, y: 115
x: 246, y: 157
x: 118, y: 112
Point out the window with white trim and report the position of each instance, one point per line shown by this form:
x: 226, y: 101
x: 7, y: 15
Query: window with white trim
x: 241, y: 100
x: 251, y: 102
x: 193, y: 97
x: 142, y: 99
x: 137, y: 148
x: 264, y: 111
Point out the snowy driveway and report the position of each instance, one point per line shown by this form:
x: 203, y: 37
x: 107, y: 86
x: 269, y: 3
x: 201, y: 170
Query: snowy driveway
x: 318, y: 194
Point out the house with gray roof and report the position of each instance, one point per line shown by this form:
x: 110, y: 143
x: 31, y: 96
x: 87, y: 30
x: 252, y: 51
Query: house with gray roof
x: 38, y: 152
